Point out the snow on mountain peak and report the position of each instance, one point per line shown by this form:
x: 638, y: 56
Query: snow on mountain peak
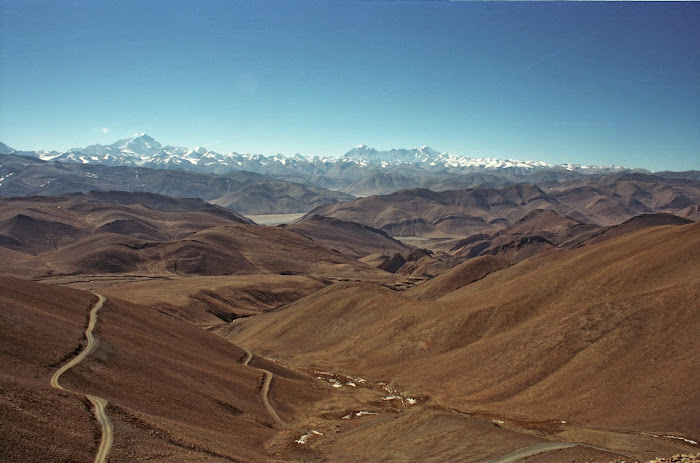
x: 144, y: 151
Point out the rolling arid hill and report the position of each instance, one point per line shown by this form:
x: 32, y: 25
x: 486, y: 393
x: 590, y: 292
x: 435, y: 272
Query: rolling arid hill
x: 349, y: 238
x: 593, y: 345
x: 165, y: 400
x: 537, y: 232
x: 327, y: 340
x: 149, y: 234
x: 602, y: 201
x: 546, y: 231
x: 174, y: 392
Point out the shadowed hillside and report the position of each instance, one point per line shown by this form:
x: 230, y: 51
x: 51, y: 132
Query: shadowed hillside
x: 602, y: 201
x: 150, y: 234
x: 349, y: 238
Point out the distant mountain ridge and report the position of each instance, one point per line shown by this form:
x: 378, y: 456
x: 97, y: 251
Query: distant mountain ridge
x: 362, y: 171
x: 602, y: 201
x: 144, y: 151
x: 243, y: 192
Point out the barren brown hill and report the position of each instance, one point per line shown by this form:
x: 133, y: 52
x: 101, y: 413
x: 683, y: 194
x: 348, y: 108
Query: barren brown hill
x: 550, y: 224
x: 595, y: 344
x: 602, y: 201
x: 636, y: 223
x: 175, y: 392
x: 546, y: 231
x: 691, y: 212
x: 349, y: 238
x: 463, y: 274
x: 539, y: 231
x: 418, y: 263
x: 209, y: 301
x: 88, y: 234
x: 279, y: 197
x: 424, y: 212
x: 39, y: 223
x: 25, y: 233
x: 178, y: 393
x: 613, y: 199
x: 167, y: 401
x: 39, y: 327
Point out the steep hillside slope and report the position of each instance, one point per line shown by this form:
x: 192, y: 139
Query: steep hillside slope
x: 600, y: 336
x: 166, y: 401
x: 39, y: 327
x: 463, y: 274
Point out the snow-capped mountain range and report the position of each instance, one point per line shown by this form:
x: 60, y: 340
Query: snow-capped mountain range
x: 144, y: 151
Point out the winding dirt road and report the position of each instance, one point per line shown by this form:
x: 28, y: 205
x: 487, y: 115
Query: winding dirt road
x: 265, y: 390
x: 98, y: 403
x: 248, y: 357
x: 107, y: 432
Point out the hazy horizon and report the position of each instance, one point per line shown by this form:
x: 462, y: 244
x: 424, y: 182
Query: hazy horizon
x: 587, y: 83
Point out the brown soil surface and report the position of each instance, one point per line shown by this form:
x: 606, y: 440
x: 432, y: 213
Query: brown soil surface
x: 584, y: 354
x: 39, y: 331
x: 603, y: 201
x: 175, y: 392
x: 349, y: 238
x: 111, y: 234
x: 600, y: 337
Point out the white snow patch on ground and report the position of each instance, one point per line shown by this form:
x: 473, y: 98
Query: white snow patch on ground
x: 396, y: 395
x: 689, y: 441
x: 683, y: 439
x: 360, y: 413
x: 6, y: 176
x: 303, y: 439
x: 338, y: 380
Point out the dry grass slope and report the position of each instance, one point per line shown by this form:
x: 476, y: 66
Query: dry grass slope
x: 602, y: 335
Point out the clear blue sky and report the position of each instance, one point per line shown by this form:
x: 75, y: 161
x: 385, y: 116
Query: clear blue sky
x: 593, y: 83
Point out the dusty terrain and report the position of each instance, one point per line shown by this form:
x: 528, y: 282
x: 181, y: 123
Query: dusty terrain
x: 598, y: 337
x: 112, y: 233
x: 603, y: 201
x: 166, y: 400
x: 353, y: 346
x: 348, y: 238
